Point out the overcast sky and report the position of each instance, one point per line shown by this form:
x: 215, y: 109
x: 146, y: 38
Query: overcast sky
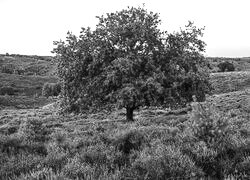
x: 30, y: 26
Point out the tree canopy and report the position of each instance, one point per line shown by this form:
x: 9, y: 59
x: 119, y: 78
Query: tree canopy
x: 129, y: 62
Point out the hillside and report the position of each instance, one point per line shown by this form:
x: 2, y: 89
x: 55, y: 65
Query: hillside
x: 25, y: 85
x: 27, y: 65
x: 230, y: 81
x: 241, y: 64
x: 23, y: 77
x: 186, y: 143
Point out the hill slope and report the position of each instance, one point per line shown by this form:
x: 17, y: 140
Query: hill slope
x: 230, y: 81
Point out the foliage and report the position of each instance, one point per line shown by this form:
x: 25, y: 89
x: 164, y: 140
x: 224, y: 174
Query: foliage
x: 51, y: 89
x: 226, y: 66
x: 128, y: 61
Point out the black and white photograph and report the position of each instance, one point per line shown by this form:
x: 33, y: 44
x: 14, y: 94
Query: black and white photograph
x: 124, y: 90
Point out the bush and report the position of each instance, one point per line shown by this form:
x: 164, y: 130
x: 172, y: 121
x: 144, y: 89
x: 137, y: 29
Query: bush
x: 7, y: 90
x: 226, y: 66
x: 51, y: 89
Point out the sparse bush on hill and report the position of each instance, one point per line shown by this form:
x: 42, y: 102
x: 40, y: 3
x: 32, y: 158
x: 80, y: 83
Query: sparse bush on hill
x: 51, y: 89
x: 128, y: 61
x: 226, y: 66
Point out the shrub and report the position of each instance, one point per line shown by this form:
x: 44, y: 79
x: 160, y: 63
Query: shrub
x: 226, y: 66
x: 7, y: 90
x: 51, y: 89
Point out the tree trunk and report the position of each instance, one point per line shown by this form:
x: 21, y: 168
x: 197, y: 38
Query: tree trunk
x: 129, y: 114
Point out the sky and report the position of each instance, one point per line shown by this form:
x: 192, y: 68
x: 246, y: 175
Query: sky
x: 30, y: 26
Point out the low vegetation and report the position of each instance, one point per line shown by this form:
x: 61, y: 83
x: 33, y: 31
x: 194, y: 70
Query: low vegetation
x: 229, y: 81
x: 207, y: 142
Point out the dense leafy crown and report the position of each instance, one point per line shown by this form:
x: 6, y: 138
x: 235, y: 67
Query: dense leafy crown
x: 128, y: 61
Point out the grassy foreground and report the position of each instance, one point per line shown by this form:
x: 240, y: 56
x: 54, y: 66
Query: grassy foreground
x: 160, y: 144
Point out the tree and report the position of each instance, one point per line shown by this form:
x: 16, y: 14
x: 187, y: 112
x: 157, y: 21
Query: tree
x: 127, y: 61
